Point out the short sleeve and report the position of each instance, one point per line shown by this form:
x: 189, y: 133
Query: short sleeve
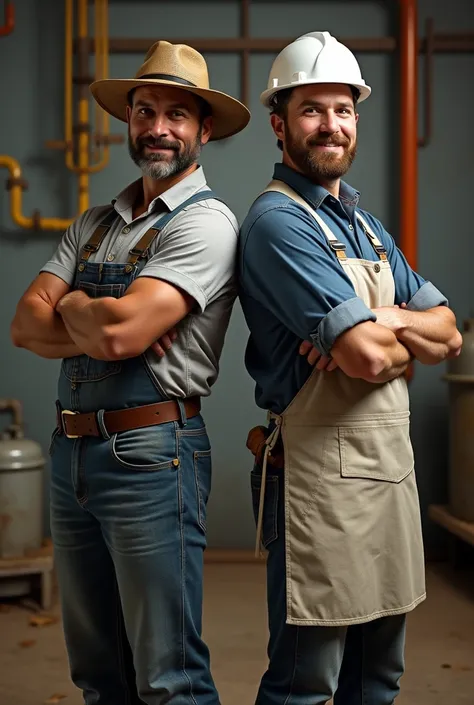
x: 197, y: 253
x: 64, y: 261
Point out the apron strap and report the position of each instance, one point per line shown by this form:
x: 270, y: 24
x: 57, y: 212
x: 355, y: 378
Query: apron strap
x: 375, y: 242
x: 338, y: 247
x: 95, y: 240
x: 140, y: 251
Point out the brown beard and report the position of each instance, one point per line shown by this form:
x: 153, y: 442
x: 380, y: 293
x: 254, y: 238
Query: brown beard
x: 324, y: 166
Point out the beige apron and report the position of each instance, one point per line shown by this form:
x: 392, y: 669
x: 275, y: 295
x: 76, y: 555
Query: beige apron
x: 354, y: 549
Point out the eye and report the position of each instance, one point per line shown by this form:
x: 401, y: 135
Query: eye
x: 177, y: 114
x: 311, y: 111
x: 145, y: 112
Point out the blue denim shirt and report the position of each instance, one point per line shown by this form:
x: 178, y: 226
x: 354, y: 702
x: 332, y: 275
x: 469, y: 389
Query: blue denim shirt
x: 292, y: 287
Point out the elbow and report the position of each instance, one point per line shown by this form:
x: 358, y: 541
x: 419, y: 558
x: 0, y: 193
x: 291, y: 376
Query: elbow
x: 365, y: 364
x: 455, y: 345
x: 374, y: 364
x: 17, y: 334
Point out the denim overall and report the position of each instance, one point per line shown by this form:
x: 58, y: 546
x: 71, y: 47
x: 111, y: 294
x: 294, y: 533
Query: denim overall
x: 128, y: 521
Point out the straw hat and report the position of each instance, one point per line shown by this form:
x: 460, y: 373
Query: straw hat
x: 180, y: 66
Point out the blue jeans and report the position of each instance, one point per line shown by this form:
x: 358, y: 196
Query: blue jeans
x: 128, y: 520
x: 356, y: 665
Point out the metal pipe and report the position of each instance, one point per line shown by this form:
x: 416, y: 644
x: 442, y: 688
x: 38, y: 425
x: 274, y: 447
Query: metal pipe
x: 68, y: 60
x: 16, y: 187
x: 462, y: 42
x: 13, y: 405
x: 83, y: 109
x: 409, y: 131
x: 9, y: 25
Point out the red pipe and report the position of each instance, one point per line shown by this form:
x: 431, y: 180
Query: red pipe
x: 9, y: 20
x: 409, y: 131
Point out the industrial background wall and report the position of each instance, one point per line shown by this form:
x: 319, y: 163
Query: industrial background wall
x: 31, y: 81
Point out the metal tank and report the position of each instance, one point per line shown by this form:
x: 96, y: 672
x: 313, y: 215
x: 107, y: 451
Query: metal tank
x: 460, y: 376
x: 21, y: 488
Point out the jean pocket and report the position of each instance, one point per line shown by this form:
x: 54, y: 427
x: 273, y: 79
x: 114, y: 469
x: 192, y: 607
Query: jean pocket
x: 150, y: 449
x: 270, y: 507
x: 202, y: 478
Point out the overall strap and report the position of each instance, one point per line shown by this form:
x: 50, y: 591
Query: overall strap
x: 95, y: 240
x: 338, y: 247
x: 140, y: 250
x: 374, y: 241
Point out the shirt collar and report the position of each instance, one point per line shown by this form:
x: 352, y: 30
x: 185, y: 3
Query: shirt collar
x: 171, y: 198
x: 313, y: 193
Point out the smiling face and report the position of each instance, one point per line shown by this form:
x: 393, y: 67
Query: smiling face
x: 167, y: 127
x: 318, y: 130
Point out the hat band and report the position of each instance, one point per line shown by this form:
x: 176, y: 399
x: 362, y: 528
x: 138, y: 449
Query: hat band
x: 168, y: 77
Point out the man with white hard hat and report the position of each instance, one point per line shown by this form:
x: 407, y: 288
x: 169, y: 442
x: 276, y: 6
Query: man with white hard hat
x: 333, y: 484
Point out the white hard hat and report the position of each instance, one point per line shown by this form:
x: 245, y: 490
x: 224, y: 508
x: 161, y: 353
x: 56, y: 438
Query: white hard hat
x: 316, y: 57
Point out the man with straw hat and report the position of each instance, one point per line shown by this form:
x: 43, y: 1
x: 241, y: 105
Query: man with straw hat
x: 131, y: 465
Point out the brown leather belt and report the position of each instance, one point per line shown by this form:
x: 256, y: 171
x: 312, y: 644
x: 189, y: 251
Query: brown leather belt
x: 75, y: 425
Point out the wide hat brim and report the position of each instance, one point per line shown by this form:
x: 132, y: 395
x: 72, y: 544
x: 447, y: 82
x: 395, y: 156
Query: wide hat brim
x: 229, y: 115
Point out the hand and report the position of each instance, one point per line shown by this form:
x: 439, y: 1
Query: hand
x: 324, y: 362
x: 165, y: 342
x: 389, y: 317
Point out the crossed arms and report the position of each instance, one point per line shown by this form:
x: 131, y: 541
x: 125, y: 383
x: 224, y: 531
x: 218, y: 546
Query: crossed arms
x: 54, y: 322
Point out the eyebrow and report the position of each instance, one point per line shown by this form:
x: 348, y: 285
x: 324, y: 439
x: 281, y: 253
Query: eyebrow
x: 315, y: 104
x: 174, y: 106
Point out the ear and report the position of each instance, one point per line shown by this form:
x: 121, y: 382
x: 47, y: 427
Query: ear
x: 206, y: 129
x: 278, y: 125
x: 128, y: 113
x: 357, y: 117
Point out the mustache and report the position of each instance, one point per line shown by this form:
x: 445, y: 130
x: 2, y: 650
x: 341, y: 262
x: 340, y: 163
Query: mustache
x: 157, y: 143
x: 329, y: 142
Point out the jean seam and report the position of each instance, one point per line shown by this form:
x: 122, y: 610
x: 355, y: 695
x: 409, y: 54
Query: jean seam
x: 120, y: 627
x: 362, y: 670
x: 183, y: 585
x: 293, y: 675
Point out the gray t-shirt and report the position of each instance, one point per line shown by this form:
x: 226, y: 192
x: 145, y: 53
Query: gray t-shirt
x: 195, y: 251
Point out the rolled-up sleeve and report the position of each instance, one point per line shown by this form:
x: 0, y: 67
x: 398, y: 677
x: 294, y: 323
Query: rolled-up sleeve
x: 289, y: 268
x: 427, y: 296
x: 336, y: 322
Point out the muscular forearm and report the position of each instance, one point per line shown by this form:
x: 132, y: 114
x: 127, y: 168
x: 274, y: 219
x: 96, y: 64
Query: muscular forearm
x: 88, y: 322
x: 370, y: 352
x: 38, y: 328
x: 431, y: 335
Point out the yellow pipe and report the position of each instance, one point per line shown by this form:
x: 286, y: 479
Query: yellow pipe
x: 101, y: 63
x: 83, y: 118
x: 68, y: 59
x: 16, y: 197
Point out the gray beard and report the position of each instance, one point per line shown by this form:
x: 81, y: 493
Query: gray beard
x: 158, y: 167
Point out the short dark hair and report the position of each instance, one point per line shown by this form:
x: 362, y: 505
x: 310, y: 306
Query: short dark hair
x: 204, y: 107
x: 279, y: 104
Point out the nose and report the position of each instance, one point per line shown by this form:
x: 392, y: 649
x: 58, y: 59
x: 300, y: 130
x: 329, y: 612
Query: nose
x: 329, y: 123
x: 159, y: 126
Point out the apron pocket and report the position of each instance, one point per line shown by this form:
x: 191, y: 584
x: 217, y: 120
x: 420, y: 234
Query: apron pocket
x: 270, y: 507
x: 377, y: 452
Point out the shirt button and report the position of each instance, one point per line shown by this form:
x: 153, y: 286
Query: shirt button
x: 126, y: 230
x: 351, y: 227
x: 110, y: 258
x: 377, y: 267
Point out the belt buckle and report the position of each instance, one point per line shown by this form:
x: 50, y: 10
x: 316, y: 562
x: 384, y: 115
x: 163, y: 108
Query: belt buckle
x: 70, y: 413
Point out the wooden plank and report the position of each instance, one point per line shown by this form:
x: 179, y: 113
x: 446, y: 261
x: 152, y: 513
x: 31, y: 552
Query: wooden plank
x: 442, y: 516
